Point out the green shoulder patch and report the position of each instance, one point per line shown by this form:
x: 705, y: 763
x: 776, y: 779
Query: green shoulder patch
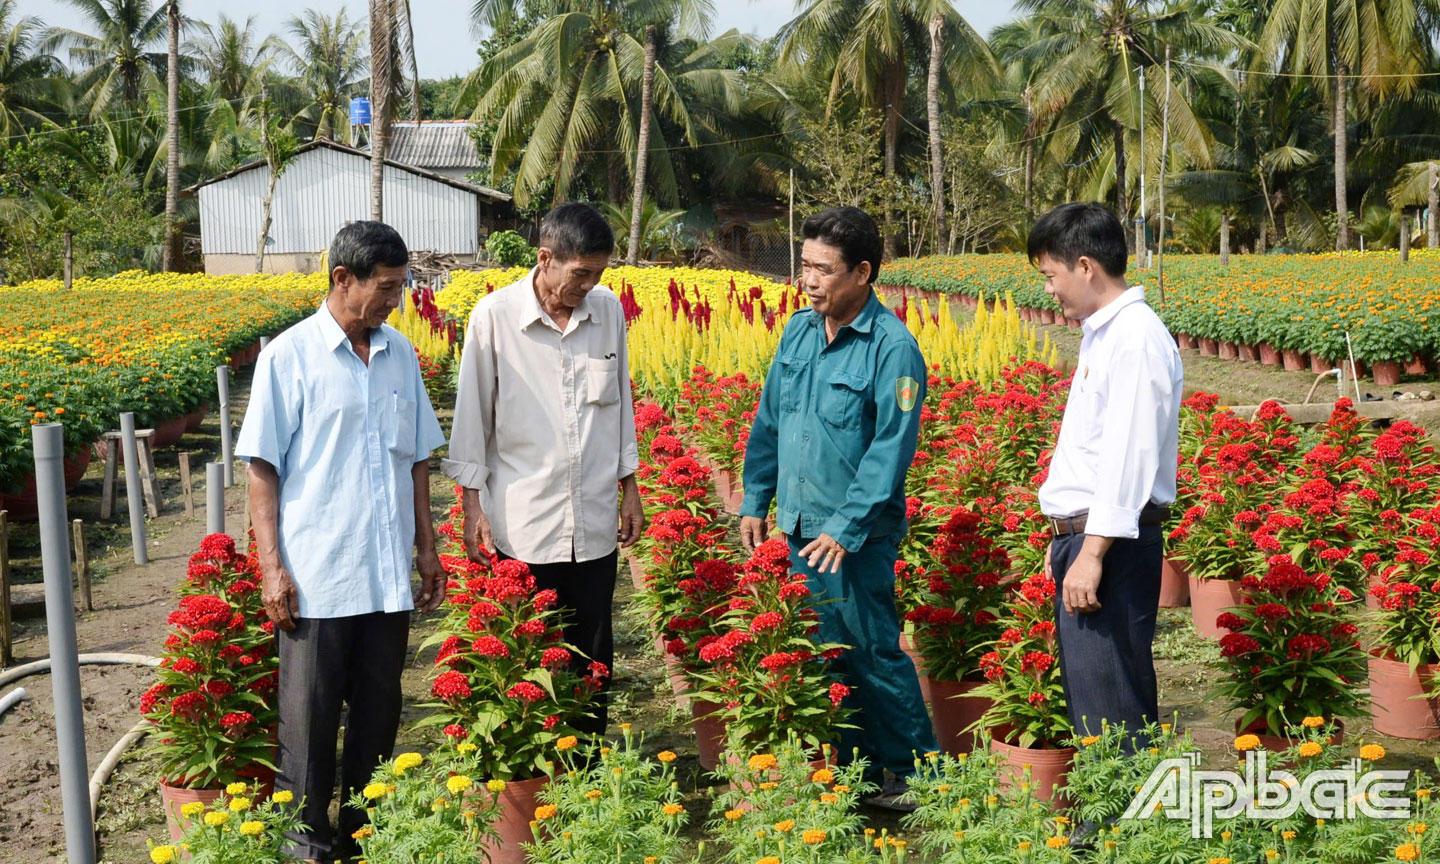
x: 907, y: 390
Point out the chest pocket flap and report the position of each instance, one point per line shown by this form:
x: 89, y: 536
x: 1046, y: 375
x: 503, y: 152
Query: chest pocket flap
x: 842, y: 398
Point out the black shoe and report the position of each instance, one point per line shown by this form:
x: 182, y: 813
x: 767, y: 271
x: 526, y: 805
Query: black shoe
x: 894, y: 795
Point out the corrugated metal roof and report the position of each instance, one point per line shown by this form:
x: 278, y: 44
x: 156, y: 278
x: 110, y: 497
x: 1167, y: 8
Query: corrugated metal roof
x: 434, y: 144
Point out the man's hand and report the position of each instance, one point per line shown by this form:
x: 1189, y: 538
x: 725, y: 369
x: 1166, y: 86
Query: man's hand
x: 479, y: 542
x: 278, y: 594
x: 1082, y: 583
x: 432, y: 582
x: 822, y: 552
x: 753, y: 532
x: 1049, y: 550
x: 632, y: 513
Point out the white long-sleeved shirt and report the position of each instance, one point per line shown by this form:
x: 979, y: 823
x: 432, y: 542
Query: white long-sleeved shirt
x: 1120, y: 436
x: 544, y: 423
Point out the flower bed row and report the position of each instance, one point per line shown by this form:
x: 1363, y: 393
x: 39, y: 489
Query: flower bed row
x: 1295, y: 309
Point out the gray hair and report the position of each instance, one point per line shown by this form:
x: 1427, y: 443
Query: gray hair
x: 362, y: 246
x: 574, y: 230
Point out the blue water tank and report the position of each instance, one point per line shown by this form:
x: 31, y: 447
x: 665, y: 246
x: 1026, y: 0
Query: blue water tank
x: 359, y: 111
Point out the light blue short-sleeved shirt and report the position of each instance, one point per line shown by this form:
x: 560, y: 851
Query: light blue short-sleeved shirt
x: 344, y: 437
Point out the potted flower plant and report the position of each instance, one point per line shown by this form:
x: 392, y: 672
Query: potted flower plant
x: 212, y: 706
x: 434, y: 808
x: 1405, y: 661
x: 248, y: 827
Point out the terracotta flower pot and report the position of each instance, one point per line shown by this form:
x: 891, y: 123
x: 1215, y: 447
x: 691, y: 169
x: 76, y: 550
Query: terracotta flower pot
x: 517, y: 809
x: 1294, y: 360
x: 1416, y: 366
x: 1048, y: 767
x: 728, y: 488
x: 1246, y: 353
x: 908, y: 646
x: 1209, y: 598
x: 1399, y: 701
x: 167, y: 434
x: 172, y: 798
x: 1319, y: 365
x: 1228, y: 351
x: 1208, y: 347
x: 710, y: 731
x: 1174, y: 585
x: 1073, y: 323
x: 679, y: 684
x: 1268, y: 355
x: 1185, y: 341
x: 1385, y: 374
x: 195, y: 418
x: 953, y: 711
x: 24, y: 505
x: 637, y: 572
x: 1357, y: 370
x: 1276, y: 743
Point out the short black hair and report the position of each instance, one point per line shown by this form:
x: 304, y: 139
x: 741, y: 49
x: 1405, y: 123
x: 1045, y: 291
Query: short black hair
x: 362, y: 246
x: 573, y: 230
x: 852, y: 231
x: 1080, y: 228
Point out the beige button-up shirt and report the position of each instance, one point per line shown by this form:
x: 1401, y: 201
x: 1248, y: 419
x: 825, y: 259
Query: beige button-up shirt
x: 544, y: 423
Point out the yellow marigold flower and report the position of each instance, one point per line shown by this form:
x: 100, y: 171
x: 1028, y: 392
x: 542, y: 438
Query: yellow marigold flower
x: 732, y: 815
x: 216, y: 818
x: 1024, y: 845
x: 672, y: 809
x: 1226, y: 835
x: 284, y: 796
x: 762, y: 762
x: 769, y: 784
x: 375, y: 790
x: 252, y: 828
x: 992, y: 800
x: 235, y: 789
x: 828, y: 798
x: 593, y: 794
x: 1313, y: 722
x: 1407, y: 852
x: 191, y: 810
x: 1287, y: 835
x: 405, y: 761
x: 624, y: 727
x: 1422, y: 794
x: 943, y: 787
x: 1165, y: 727
x: 567, y: 742
x: 665, y: 756
x: 465, y: 747
x: 879, y: 844
x: 959, y: 835
x: 604, y: 751
x: 239, y: 804
x: 1417, y: 828
x: 1062, y: 820
x: 824, y: 775
x: 1372, y: 752
x: 869, y: 831
x: 842, y: 788
x: 1088, y: 740
x: 651, y: 859
x: 457, y: 784
x: 1219, y: 861
x: 1271, y: 856
x: 1109, y: 844
x: 365, y: 831
x: 1059, y: 841
x: 813, y: 836
x: 1247, y: 742
x: 963, y: 802
x: 1310, y: 748
x: 495, y: 786
x: 768, y: 859
x: 162, y: 854
x: 545, y: 811
x: 785, y: 825
x: 898, y: 843
x: 1154, y: 751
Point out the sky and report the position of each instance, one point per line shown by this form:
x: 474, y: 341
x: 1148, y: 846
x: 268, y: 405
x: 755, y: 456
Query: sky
x: 447, y: 44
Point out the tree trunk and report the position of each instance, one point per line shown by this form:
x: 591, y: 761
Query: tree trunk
x: 894, y: 104
x: 170, y: 253
x: 380, y: 18
x: 932, y: 109
x: 1164, y: 166
x: 1030, y: 179
x: 414, y: 63
x: 642, y: 152
x: 1432, y: 201
x: 1120, y: 209
x: 1342, y: 210
x: 1404, y: 237
x: 1225, y: 240
x: 1260, y: 244
x: 269, y: 199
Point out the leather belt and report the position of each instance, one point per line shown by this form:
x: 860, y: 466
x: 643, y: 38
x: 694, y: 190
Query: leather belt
x: 1150, y: 514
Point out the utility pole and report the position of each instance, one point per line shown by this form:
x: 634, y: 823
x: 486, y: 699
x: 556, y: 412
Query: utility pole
x: 1164, y: 160
x: 1140, y: 218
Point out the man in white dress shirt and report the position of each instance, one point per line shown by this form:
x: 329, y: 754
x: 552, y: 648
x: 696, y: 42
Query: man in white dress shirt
x: 544, y: 430
x: 1112, y: 477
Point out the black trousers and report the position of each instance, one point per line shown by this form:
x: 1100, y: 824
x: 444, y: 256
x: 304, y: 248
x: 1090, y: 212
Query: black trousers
x: 325, y: 662
x: 587, y: 592
x: 1106, y: 667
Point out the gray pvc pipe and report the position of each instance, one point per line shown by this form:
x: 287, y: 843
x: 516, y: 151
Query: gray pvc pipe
x: 49, y: 442
x: 11, y: 699
x: 133, y: 492
x: 214, y: 498
x: 15, y: 673
x: 264, y: 342
x: 227, y: 453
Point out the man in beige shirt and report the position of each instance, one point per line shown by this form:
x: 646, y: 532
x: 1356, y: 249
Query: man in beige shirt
x: 545, y: 430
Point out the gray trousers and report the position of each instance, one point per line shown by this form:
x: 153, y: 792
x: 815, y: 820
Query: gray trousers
x: 325, y: 662
x: 1106, y: 667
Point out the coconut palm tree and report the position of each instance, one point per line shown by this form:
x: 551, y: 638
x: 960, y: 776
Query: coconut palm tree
x: 121, y: 59
x: 1374, y: 43
x: 31, y: 81
x: 170, y: 251
x: 233, y: 59
x: 865, y: 47
x: 329, y: 60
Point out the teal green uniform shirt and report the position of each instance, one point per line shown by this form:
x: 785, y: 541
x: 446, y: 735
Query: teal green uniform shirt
x: 836, y: 428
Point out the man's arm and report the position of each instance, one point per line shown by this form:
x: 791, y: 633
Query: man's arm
x: 470, y: 434
x: 762, y: 459
x: 632, y: 512
x: 432, y: 575
x: 277, y: 588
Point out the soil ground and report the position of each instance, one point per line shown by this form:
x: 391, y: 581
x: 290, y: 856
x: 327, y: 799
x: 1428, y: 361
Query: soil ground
x: 132, y: 602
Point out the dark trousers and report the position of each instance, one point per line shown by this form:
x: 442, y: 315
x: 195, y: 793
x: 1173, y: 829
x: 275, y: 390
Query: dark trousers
x: 324, y: 662
x: 587, y: 592
x: 857, y: 608
x: 1106, y: 666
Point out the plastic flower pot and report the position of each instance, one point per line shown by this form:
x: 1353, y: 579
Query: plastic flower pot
x: 728, y: 489
x: 1294, y: 360
x: 1268, y: 355
x: 710, y: 732
x: 1210, y: 597
x: 1319, y: 365
x: 1048, y: 767
x: 1399, y: 701
x: 1208, y: 347
x: 1185, y: 341
x: 953, y: 711
x: 1174, y: 585
x: 195, y: 418
x: 1246, y: 353
x: 1416, y: 366
x: 1385, y: 374
x: 1228, y: 351
x: 172, y: 798
x: 517, y: 809
x: 1276, y: 743
x: 679, y: 684
x: 637, y: 572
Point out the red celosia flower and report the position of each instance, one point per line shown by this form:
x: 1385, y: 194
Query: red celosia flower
x: 451, y: 685
x: 526, y: 692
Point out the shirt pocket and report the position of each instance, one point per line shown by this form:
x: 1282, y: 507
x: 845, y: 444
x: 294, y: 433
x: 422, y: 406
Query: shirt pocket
x: 792, y: 382
x: 602, y: 380
x: 400, y: 431
x: 841, y: 400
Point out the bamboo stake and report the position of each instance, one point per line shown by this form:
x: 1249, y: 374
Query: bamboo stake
x: 186, y: 486
x: 82, y: 565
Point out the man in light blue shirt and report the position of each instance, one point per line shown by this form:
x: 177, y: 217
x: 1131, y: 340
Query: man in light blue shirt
x: 338, y: 434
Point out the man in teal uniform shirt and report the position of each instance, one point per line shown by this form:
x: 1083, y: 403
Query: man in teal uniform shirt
x: 833, y: 438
